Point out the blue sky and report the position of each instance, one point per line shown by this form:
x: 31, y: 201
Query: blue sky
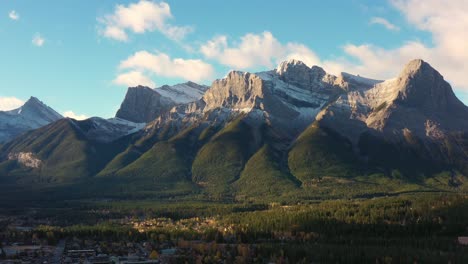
x: 80, y: 56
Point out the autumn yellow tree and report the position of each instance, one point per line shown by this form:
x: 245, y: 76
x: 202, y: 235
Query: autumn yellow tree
x: 154, y: 255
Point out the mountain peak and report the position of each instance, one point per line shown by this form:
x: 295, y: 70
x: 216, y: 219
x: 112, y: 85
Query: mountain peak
x: 35, y: 107
x: 420, y: 85
x: 34, y: 101
x: 33, y: 114
x: 292, y: 64
x: 299, y: 74
x: 418, y: 66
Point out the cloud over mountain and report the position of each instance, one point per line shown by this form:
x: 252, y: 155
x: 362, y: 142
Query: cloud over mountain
x: 444, y: 21
x: 141, y: 17
x: 161, y: 64
x: 133, y: 78
x: 254, y: 50
x: 9, y: 103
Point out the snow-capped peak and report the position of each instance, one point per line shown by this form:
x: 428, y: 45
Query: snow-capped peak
x: 36, y: 112
x: 33, y: 114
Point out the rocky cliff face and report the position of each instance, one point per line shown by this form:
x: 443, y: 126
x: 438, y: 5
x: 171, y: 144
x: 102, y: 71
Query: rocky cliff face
x: 421, y: 86
x: 295, y: 72
x: 33, y: 114
x: 238, y: 91
x: 143, y: 104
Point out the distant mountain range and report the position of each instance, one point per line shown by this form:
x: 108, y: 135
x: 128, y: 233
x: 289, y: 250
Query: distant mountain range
x: 252, y: 134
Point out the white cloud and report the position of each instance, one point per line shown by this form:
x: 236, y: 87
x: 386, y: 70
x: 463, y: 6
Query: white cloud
x: 71, y: 114
x: 446, y: 21
x: 9, y: 103
x: 377, y: 62
x: 13, y: 15
x: 162, y: 65
x: 141, y: 17
x: 300, y: 52
x: 384, y: 22
x: 133, y: 78
x: 115, y: 33
x: 255, y: 50
x: 38, y: 40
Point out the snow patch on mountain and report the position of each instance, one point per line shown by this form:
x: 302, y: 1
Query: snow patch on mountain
x: 107, y: 130
x: 182, y: 93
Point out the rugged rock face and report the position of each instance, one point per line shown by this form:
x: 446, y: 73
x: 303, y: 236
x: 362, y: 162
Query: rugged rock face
x: 289, y: 97
x: 421, y: 86
x: 143, y: 104
x: 295, y: 72
x: 33, y: 114
x: 238, y: 91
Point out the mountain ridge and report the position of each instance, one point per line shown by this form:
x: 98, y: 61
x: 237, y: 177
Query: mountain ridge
x: 294, y: 124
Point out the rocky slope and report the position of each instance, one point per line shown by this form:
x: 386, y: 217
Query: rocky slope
x: 33, y: 114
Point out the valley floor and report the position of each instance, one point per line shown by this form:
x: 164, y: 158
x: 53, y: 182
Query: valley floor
x: 412, y: 227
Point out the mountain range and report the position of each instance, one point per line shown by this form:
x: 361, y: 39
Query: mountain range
x: 269, y: 133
